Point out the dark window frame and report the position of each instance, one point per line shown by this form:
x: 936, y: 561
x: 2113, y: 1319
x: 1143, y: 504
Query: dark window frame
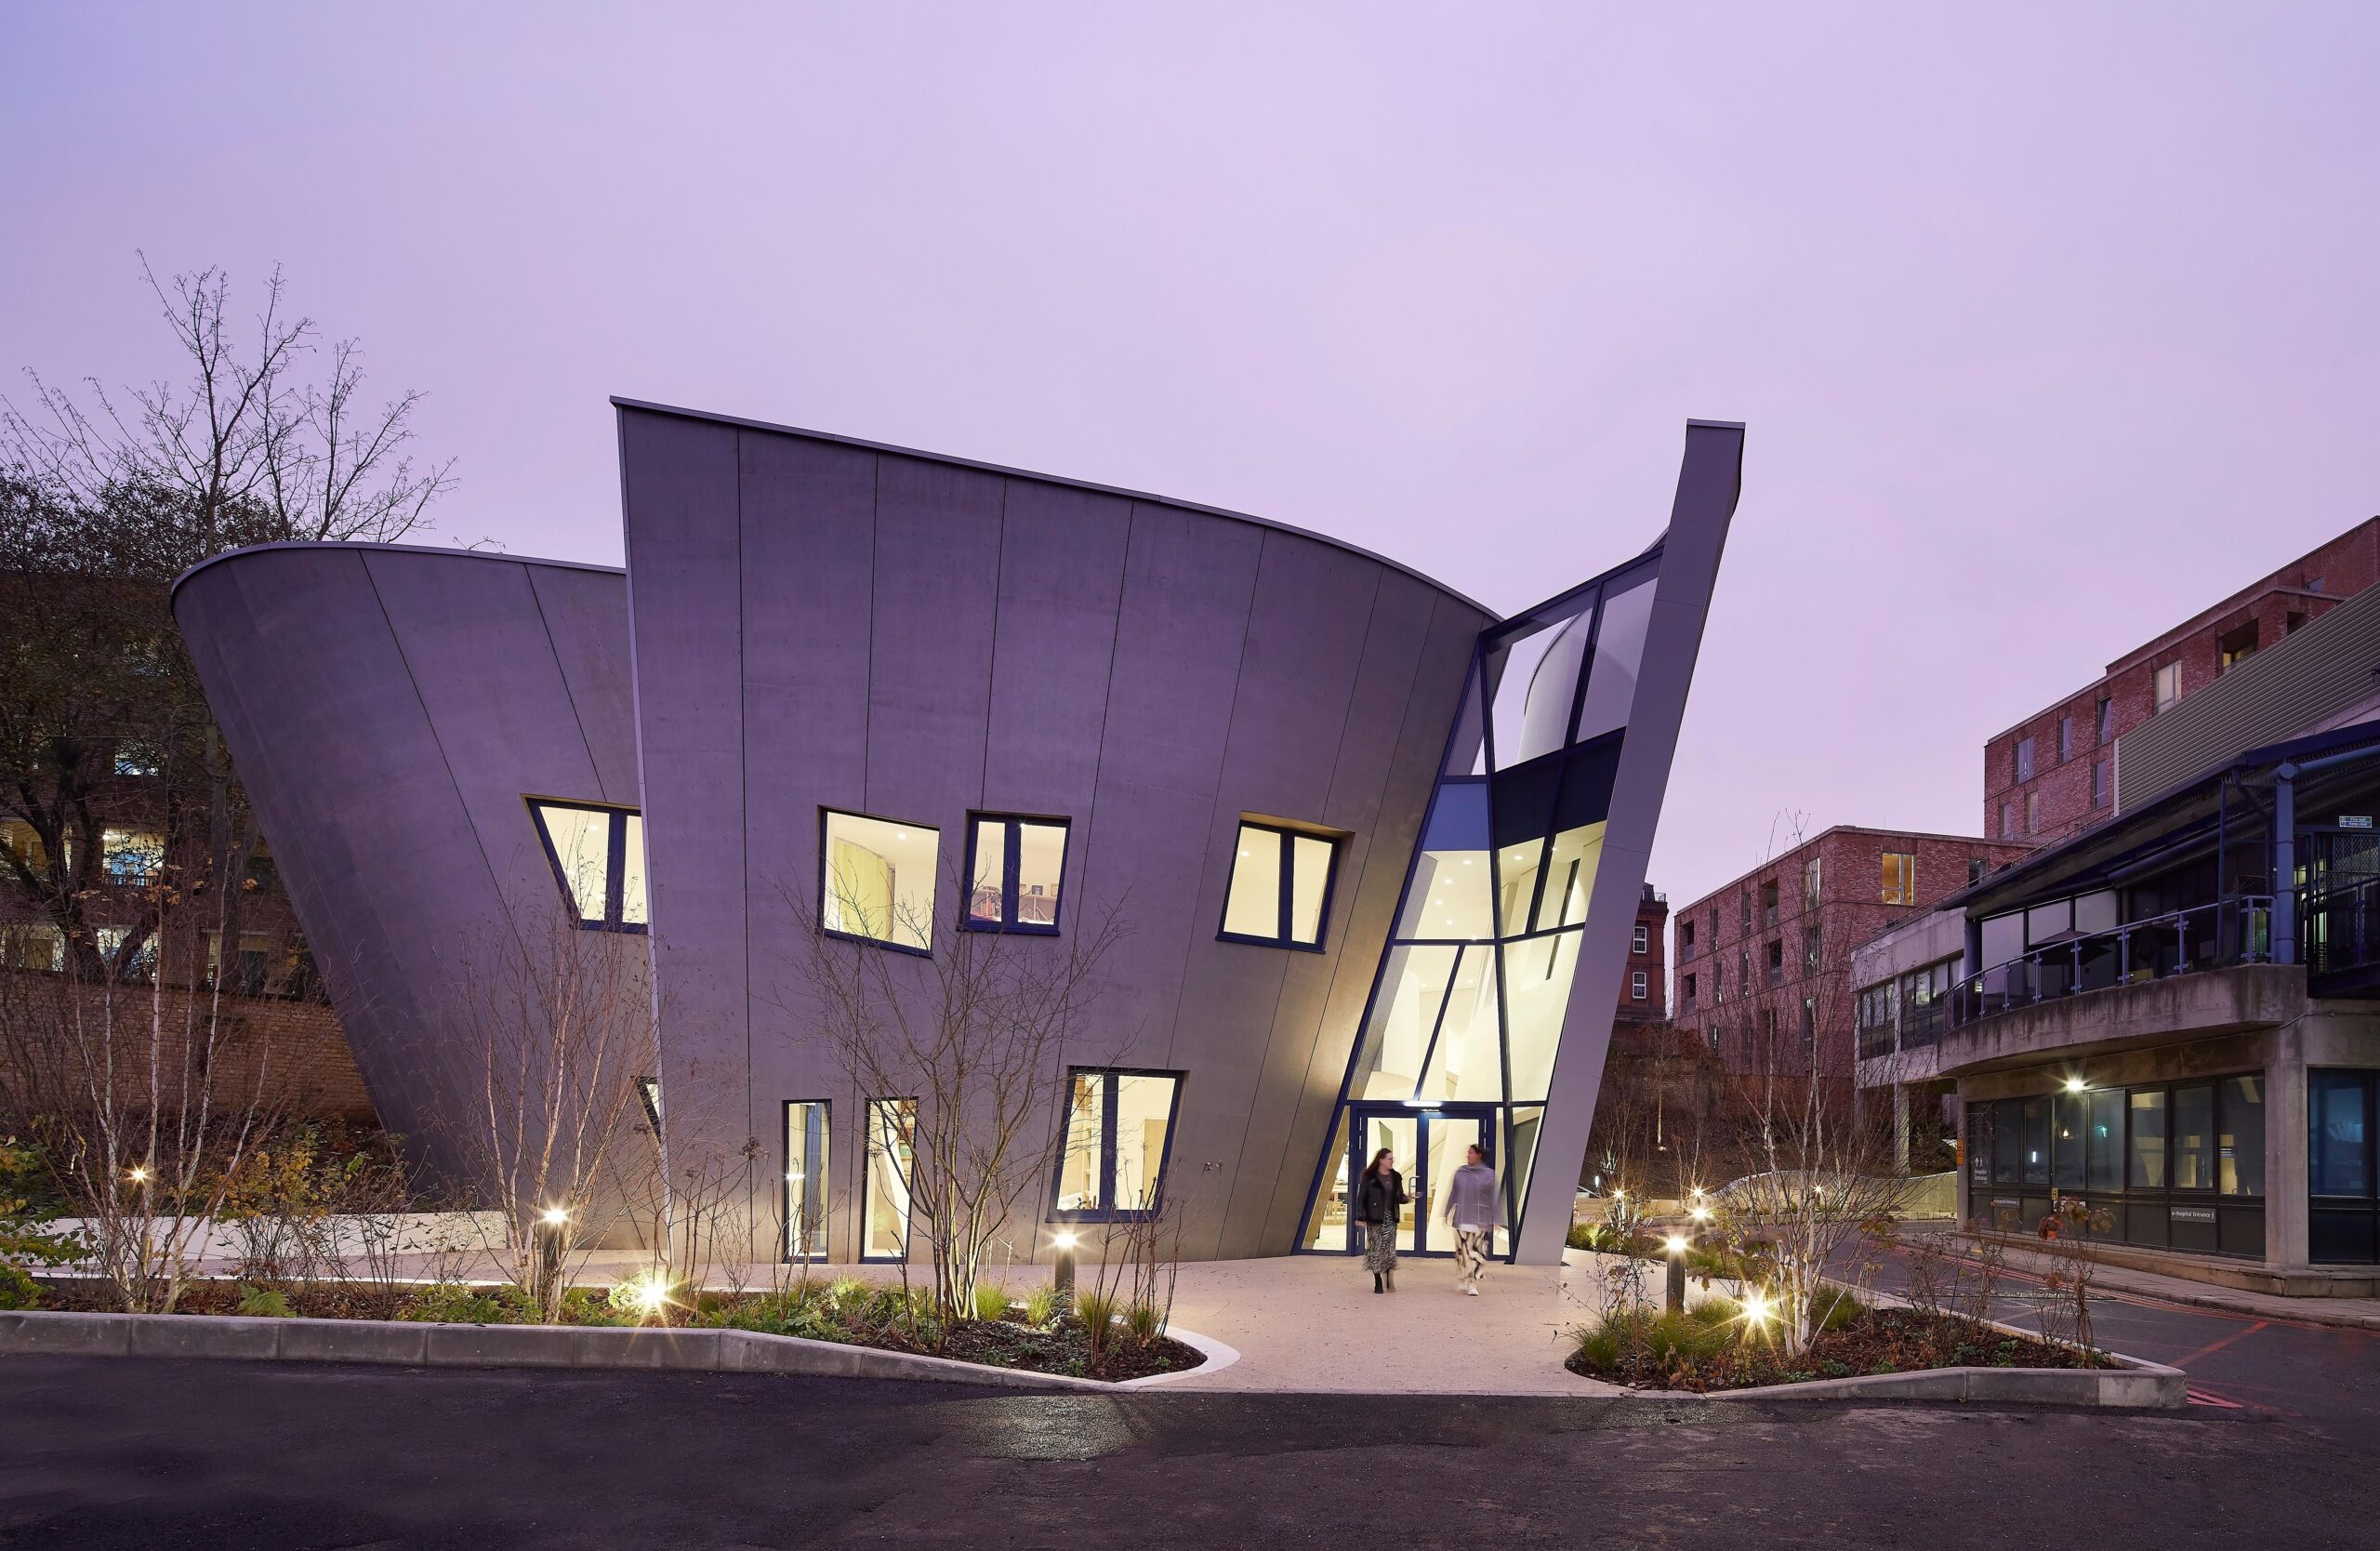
x: 860, y: 1231
x: 1289, y: 834
x: 1110, y: 1075
x: 784, y: 1181
x: 1011, y: 854
x: 826, y: 814
x: 615, y: 862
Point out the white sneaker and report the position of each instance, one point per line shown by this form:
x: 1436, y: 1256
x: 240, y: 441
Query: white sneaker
x: 1472, y: 1290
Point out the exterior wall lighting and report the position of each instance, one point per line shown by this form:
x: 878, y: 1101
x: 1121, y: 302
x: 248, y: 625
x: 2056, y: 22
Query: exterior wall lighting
x: 2075, y: 1084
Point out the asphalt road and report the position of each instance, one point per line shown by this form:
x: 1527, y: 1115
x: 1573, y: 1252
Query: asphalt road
x: 157, y: 1454
x: 2290, y: 1370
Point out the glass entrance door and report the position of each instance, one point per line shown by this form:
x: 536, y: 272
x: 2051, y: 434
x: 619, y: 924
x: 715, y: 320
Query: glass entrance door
x: 1428, y: 1146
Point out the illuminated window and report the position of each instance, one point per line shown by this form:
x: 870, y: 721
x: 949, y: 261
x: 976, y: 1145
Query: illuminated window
x: 1900, y: 877
x: 1280, y: 887
x: 1014, y: 866
x: 892, y: 1157
x: 1116, y: 1128
x: 805, y: 1180
x: 877, y: 880
x: 598, y: 857
x: 131, y: 856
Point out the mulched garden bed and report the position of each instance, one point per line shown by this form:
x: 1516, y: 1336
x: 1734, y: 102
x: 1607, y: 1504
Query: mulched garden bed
x: 1875, y: 1340
x: 871, y: 1318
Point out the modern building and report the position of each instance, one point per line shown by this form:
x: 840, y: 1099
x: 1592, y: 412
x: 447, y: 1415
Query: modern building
x: 1379, y: 854
x: 2173, y: 1015
x: 2054, y: 774
x: 1764, y: 961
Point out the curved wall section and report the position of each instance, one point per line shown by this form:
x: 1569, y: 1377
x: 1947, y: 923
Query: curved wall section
x: 387, y: 709
x: 821, y: 625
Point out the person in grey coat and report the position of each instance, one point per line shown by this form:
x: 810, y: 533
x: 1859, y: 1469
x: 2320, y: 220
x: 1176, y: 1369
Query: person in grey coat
x: 1471, y: 1207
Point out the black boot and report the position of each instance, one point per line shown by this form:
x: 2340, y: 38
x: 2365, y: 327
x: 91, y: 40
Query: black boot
x: 1376, y: 1286
x: 1391, y: 1282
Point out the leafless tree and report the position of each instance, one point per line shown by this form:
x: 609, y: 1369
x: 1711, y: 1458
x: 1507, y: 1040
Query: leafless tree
x: 977, y: 1035
x: 559, y: 1029
x: 148, y: 1097
x: 1823, y: 1164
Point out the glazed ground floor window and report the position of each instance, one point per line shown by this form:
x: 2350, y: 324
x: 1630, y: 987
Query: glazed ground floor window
x: 1118, y: 1125
x: 806, y: 1174
x: 891, y: 1159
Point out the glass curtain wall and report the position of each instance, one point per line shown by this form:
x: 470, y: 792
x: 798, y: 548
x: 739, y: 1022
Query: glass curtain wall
x: 1466, y: 1012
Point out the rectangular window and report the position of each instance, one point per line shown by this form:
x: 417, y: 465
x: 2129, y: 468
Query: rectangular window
x: 2032, y: 813
x: 1641, y: 941
x: 2007, y: 821
x: 2240, y: 1163
x: 2103, y: 1148
x: 2237, y: 646
x: 1637, y: 987
x: 1768, y: 903
x: 805, y: 1180
x: 2169, y: 685
x: 597, y: 853
x: 2064, y: 738
x: 2034, y: 1116
x: 892, y: 1156
x: 1685, y: 939
x: 1900, y: 877
x: 2070, y: 1135
x: 2339, y: 1153
x: 1014, y: 866
x: 1809, y: 951
x: 1715, y: 927
x: 2107, y: 719
x: 1743, y: 898
x: 2007, y: 1142
x: 131, y: 856
x: 2193, y: 1137
x: 2146, y: 1169
x: 876, y: 879
x: 2102, y: 786
x: 2024, y: 759
x: 1776, y: 961
x: 1685, y: 988
x: 1118, y: 1127
x: 1811, y: 880
x: 1280, y: 887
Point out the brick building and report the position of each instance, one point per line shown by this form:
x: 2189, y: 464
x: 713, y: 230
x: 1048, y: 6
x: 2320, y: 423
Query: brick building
x: 1644, y: 989
x: 2051, y: 776
x: 1764, y: 961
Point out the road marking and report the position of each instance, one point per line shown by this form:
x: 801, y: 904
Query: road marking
x: 2213, y: 1346
x: 2208, y: 1397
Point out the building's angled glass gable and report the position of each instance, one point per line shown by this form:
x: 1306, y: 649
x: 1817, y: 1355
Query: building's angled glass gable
x: 1467, y: 1009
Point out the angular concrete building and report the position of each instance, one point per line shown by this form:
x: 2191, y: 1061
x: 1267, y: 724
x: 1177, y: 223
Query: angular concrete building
x: 1373, y: 854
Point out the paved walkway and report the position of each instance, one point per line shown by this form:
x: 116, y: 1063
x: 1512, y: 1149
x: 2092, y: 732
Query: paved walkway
x: 2345, y: 1313
x: 1313, y: 1323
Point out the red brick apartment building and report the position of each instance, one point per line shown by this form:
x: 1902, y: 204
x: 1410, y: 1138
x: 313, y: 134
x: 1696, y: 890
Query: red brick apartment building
x: 2053, y: 774
x: 1763, y: 963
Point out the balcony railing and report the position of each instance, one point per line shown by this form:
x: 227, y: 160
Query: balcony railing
x: 2339, y: 930
x: 2233, y: 931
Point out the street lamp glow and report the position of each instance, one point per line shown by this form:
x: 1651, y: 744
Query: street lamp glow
x: 2075, y: 1084
x: 1674, y: 1243
x: 1700, y: 1214
x: 1757, y: 1310
x: 554, y: 1216
x: 139, y: 1174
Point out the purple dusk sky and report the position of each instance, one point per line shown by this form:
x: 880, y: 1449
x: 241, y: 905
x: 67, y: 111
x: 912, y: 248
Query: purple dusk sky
x: 2051, y: 324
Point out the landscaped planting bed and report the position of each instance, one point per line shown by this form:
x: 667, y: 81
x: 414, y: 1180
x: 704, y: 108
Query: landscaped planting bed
x: 1712, y: 1346
x: 1042, y: 1336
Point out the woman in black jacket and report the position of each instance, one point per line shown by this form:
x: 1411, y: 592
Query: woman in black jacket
x: 1378, y: 1197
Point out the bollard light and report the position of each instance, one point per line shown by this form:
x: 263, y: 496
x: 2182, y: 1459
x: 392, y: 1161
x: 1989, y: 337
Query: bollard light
x: 1065, y: 1279
x: 1676, y: 1246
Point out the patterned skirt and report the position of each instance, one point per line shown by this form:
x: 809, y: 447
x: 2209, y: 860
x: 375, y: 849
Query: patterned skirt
x: 1379, y: 1247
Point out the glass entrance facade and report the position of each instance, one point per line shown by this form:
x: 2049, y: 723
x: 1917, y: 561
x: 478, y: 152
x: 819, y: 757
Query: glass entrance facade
x: 1467, y: 1008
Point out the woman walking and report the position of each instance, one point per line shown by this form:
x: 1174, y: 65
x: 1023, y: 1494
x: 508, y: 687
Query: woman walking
x: 1378, y: 1201
x: 1471, y: 1209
